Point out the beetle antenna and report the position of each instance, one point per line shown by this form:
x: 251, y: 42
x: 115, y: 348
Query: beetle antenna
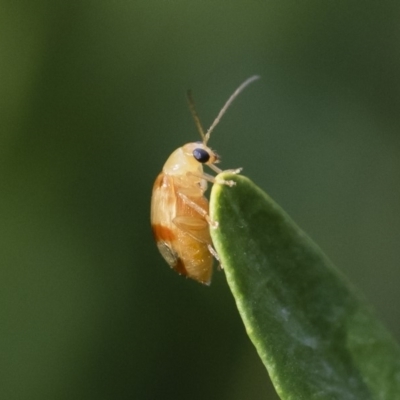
x: 246, y: 83
x: 194, y: 114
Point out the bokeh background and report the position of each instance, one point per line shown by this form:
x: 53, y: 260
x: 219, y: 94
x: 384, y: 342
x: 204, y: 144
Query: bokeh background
x: 92, y: 102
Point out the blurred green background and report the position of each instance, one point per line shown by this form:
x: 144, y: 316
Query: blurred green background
x: 92, y: 104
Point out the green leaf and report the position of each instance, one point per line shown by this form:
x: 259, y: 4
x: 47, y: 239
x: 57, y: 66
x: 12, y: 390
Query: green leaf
x: 312, y: 329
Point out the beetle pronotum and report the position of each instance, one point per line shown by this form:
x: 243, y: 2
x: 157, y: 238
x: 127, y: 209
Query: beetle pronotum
x: 179, y: 209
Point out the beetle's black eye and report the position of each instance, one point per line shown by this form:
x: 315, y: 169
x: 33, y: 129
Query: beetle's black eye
x: 201, y: 155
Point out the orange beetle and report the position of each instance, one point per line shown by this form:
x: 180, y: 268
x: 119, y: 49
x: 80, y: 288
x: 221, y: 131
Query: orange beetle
x: 179, y: 209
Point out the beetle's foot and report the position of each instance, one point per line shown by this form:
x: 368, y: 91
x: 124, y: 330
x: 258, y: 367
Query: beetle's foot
x: 234, y: 171
x: 213, y: 224
x: 225, y: 182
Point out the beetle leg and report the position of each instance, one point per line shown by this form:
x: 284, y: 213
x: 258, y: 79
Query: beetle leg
x: 201, y: 211
x: 214, y: 179
x: 222, y: 181
x: 215, y: 254
x: 192, y: 227
x: 204, y: 175
x: 219, y: 170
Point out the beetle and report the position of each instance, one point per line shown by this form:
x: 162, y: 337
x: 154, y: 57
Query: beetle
x: 179, y: 209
